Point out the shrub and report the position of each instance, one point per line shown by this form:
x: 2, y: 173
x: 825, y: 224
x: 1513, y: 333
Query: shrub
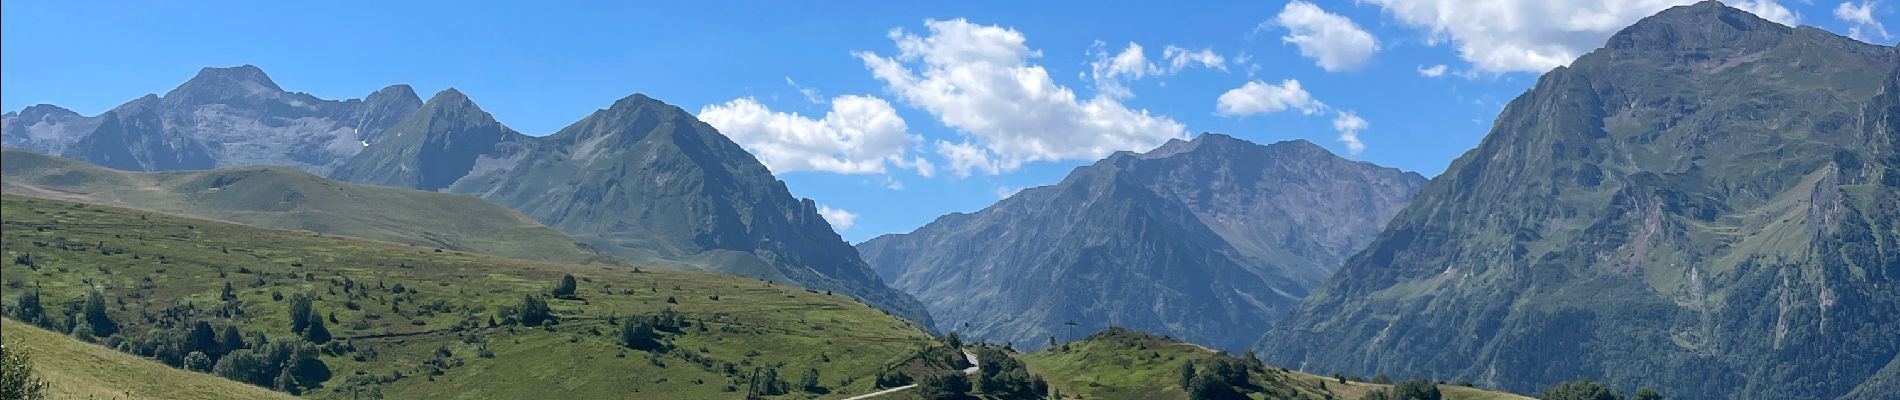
x: 1416, y: 389
x: 944, y: 386
x: 16, y: 375
x: 1580, y: 390
x: 565, y: 289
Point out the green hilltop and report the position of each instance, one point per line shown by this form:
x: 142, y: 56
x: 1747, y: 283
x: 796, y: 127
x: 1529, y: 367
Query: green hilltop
x: 1124, y: 364
x: 413, y: 322
x: 74, y: 369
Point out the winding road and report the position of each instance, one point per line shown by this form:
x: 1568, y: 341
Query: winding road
x: 972, y: 370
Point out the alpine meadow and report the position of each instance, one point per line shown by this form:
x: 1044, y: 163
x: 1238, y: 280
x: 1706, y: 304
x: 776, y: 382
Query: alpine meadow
x: 1231, y: 200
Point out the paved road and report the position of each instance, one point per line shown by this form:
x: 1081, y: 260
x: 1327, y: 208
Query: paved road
x: 972, y: 370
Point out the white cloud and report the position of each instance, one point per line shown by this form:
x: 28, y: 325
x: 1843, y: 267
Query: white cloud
x: 977, y: 79
x: 1179, y: 59
x: 860, y: 135
x: 1109, y: 72
x: 1500, y: 36
x: 839, y: 219
x: 1769, y: 10
x: 1861, y: 18
x: 811, y: 94
x: 1331, y: 40
x: 965, y: 158
x: 1349, y: 124
x: 1255, y: 98
x: 1004, y: 191
x: 1432, y: 71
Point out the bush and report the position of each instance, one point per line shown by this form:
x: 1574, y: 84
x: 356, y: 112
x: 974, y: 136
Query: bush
x: 1648, y: 394
x: 566, y: 289
x: 944, y: 386
x: 315, y: 332
x: 1580, y: 390
x: 891, y: 379
x: 1416, y: 389
x: 198, y: 361
x: 809, y: 383
x: 101, y: 324
x: 637, y: 333
x: 534, y: 311
x: 299, y: 313
x: 29, y: 309
x: 16, y: 375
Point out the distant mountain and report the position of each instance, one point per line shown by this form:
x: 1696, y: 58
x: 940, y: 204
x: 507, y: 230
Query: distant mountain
x: 286, y: 198
x: 221, y: 117
x: 641, y: 180
x: 1709, y: 204
x: 1208, y: 240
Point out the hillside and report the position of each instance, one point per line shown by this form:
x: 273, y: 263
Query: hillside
x: 1208, y: 240
x: 1705, y: 205
x: 642, y: 180
x: 286, y: 198
x: 1124, y: 364
x: 78, y: 370
x: 412, y: 322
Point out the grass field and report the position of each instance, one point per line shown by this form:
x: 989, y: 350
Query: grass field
x: 285, y: 198
x: 74, y: 369
x: 425, y: 341
x: 1123, y: 364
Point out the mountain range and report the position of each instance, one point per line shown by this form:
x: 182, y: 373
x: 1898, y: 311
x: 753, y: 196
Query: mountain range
x: 221, y: 117
x: 1208, y: 240
x: 640, y: 180
x: 1709, y: 204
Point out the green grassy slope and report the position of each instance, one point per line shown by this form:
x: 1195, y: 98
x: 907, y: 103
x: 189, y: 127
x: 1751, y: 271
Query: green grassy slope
x: 78, y: 370
x: 280, y: 197
x: 1124, y: 364
x: 148, y: 263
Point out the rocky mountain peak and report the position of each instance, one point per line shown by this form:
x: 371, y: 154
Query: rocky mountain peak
x: 398, y: 93
x: 218, y: 84
x: 1700, y: 31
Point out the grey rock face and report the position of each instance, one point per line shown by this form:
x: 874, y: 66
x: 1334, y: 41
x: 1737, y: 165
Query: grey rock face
x: 1206, y: 240
x: 221, y: 117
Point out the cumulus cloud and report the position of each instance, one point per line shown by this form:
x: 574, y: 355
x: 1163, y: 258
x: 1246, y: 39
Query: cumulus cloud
x: 1110, y: 71
x: 1179, y: 59
x: 1860, y: 18
x: 1348, y: 124
x: 1331, y: 40
x: 860, y: 135
x: 1769, y: 10
x: 839, y: 219
x: 1500, y: 36
x: 1432, y: 71
x: 1256, y: 98
x: 978, y: 79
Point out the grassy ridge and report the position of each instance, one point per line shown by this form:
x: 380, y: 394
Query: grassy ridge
x: 426, y: 341
x: 286, y: 198
x: 1124, y: 364
x: 78, y: 370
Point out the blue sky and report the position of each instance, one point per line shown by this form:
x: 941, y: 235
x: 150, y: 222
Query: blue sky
x: 964, y: 93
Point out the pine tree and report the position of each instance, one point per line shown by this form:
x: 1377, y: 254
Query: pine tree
x: 299, y: 313
x: 29, y: 309
x: 565, y: 290
x: 315, y: 332
x: 102, y: 325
